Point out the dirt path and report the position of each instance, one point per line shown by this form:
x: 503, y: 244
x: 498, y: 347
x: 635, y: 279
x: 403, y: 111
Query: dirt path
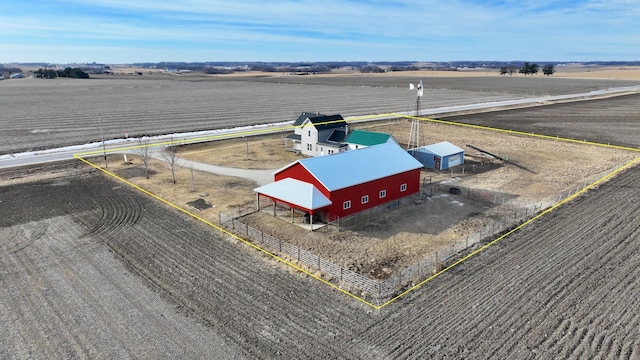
x: 261, y: 177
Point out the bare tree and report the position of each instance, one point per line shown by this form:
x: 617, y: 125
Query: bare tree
x: 170, y: 155
x: 144, y: 153
x: 548, y: 69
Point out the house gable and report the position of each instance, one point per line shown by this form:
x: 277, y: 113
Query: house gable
x: 329, y: 130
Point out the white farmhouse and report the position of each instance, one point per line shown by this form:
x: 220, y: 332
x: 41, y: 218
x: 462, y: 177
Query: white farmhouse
x: 316, y: 134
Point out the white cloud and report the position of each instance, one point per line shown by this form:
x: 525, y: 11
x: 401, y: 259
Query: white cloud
x: 367, y: 28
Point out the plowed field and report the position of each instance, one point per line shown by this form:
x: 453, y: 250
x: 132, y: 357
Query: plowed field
x: 90, y: 268
x: 606, y: 121
x: 565, y: 286
x: 38, y: 114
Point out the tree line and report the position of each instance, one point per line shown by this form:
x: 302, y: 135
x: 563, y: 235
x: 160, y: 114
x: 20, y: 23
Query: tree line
x: 528, y: 69
x: 67, y: 72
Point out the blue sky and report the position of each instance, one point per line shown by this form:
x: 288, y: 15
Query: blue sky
x: 127, y: 31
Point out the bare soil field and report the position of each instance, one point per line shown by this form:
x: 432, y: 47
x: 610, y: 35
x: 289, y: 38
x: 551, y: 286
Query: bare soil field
x: 66, y: 294
x: 606, y: 121
x: 90, y: 268
x: 563, y: 287
x: 38, y: 114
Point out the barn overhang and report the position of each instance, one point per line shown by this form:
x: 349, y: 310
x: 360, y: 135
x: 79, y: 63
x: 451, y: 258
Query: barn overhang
x: 295, y: 193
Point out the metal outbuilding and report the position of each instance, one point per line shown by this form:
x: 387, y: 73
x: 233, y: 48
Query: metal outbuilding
x: 346, y: 183
x: 440, y: 156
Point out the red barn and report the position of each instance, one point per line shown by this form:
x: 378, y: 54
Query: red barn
x: 343, y: 184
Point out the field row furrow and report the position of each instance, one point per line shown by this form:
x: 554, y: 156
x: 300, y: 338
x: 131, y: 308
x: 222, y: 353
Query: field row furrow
x: 188, y: 277
x: 572, y: 251
x: 50, y: 316
x: 177, y: 107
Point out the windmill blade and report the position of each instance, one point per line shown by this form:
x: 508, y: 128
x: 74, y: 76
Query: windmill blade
x: 420, y: 89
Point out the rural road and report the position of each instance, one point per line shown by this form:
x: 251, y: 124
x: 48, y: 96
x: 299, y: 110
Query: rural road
x: 126, y: 145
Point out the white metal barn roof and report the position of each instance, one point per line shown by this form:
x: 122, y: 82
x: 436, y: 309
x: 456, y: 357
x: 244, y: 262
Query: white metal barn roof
x: 355, y: 167
x: 295, y: 192
x: 444, y: 148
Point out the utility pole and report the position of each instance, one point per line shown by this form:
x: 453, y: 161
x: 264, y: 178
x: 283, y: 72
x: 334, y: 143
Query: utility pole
x: 246, y: 142
x: 104, y: 149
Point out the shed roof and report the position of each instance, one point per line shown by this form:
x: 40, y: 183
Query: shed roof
x: 295, y: 192
x: 444, y: 148
x: 355, y: 167
x: 367, y: 138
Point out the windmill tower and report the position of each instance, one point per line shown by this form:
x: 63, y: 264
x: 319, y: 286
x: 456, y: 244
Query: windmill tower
x: 414, y: 135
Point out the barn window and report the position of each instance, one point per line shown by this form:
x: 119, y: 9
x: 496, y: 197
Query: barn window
x: 403, y: 187
x: 365, y: 199
x: 346, y: 205
x: 382, y: 194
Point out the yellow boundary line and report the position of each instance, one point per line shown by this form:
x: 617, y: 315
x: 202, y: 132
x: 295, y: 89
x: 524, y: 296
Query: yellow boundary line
x: 79, y: 156
x: 222, y: 230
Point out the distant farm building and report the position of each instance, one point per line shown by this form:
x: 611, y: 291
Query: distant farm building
x: 316, y: 134
x: 330, y: 187
x: 440, y: 156
x: 359, y: 139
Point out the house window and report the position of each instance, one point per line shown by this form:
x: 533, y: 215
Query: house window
x: 403, y: 187
x: 346, y: 205
x: 382, y: 194
x: 365, y: 199
x: 309, y: 147
x: 309, y: 133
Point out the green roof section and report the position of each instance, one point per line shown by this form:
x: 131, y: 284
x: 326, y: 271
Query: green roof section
x: 367, y: 138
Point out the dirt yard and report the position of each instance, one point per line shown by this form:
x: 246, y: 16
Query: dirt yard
x: 538, y: 171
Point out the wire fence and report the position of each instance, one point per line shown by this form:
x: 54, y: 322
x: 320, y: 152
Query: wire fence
x: 378, y: 291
